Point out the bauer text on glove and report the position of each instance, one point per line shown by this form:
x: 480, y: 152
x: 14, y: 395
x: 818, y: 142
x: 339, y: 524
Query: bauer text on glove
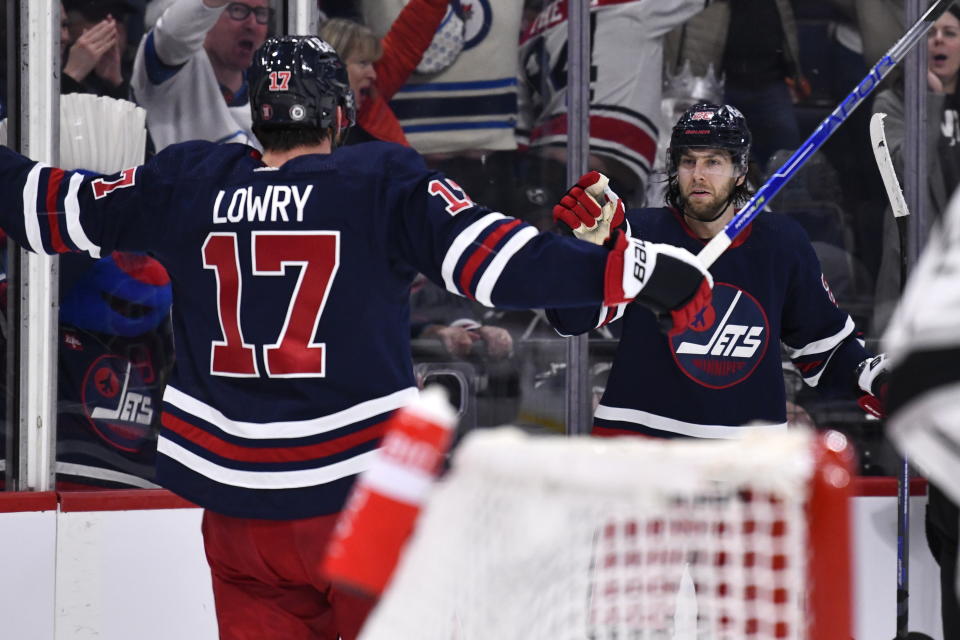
x: 661, y: 277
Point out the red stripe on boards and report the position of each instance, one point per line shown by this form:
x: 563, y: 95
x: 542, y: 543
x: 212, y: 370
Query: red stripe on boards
x: 20, y: 501
x: 122, y: 500
x: 878, y: 486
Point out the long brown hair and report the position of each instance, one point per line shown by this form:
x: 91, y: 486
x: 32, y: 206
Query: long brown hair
x: 349, y: 38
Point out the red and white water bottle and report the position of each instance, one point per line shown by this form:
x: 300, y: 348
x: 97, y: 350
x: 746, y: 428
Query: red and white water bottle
x: 383, y: 507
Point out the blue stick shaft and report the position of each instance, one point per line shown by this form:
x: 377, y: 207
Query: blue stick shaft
x: 709, y: 254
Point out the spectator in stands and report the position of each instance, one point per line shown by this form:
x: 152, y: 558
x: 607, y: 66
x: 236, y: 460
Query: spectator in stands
x: 626, y: 62
x: 93, y: 50
x: 943, y: 146
x: 879, y: 22
x: 64, y: 34
x: 452, y: 320
x: 459, y: 108
x: 446, y: 328
x: 943, y: 176
x: 378, y: 69
x: 754, y: 44
x: 190, y: 70
x: 340, y: 9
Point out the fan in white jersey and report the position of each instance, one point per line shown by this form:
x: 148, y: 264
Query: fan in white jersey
x: 190, y: 70
x: 626, y: 64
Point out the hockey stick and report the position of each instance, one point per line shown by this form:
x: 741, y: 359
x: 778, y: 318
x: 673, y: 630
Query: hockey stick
x: 719, y: 243
x: 900, y: 212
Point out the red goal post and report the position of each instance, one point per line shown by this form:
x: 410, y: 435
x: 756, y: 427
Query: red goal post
x: 548, y: 537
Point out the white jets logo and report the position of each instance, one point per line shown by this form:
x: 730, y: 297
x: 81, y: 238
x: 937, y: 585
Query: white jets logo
x: 736, y: 340
x: 726, y: 341
x: 131, y: 406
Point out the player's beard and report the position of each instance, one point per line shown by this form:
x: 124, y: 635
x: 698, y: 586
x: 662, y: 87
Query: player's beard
x: 709, y: 209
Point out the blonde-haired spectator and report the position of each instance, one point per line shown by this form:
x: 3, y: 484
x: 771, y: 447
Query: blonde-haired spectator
x: 378, y: 69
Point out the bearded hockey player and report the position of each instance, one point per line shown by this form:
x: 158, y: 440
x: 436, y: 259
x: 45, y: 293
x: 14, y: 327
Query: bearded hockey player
x: 291, y: 273
x: 723, y: 370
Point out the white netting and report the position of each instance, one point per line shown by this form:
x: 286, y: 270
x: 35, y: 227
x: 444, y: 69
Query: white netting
x: 98, y: 133
x: 558, y: 538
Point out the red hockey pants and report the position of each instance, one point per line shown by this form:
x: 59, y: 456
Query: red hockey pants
x: 267, y: 582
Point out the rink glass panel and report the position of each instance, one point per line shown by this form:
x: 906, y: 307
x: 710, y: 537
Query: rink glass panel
x: 8, y: 253
x: 837, y: 197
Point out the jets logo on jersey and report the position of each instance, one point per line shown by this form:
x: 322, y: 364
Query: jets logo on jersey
x: 477, y: 17
x: 726, y: 341
x: 117, y: 402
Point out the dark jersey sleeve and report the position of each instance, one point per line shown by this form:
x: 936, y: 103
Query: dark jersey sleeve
x: 50, y: 210
x: 484, y: 255
x: 819, y: 337
x: 574, y: 321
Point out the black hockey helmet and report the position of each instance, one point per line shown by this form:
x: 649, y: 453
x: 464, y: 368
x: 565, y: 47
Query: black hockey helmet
x: 299, y: 81
x: 710, y: 126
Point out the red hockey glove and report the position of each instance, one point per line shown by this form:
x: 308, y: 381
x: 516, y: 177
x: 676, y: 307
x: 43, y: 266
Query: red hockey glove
x: 662, y: 277
x: 678, y: 320
x: 582, y: 211
x: 873, y: 377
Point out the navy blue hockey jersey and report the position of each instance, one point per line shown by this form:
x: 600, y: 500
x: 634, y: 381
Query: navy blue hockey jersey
x: 291, y: 298
x: 725, y: 370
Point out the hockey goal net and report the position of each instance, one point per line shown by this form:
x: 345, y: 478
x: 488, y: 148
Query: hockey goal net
x: 558, y: 538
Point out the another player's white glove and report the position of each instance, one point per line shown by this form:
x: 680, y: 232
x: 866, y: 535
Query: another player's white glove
x: 873, y: 375
x: 580, y: 208
x: 667, y: 279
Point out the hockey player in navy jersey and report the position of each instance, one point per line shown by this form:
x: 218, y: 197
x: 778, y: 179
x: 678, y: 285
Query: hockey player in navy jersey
x: 723, y: 370
x: 291, y: 273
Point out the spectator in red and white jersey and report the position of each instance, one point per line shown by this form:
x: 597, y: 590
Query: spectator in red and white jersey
x: 625, y: 78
